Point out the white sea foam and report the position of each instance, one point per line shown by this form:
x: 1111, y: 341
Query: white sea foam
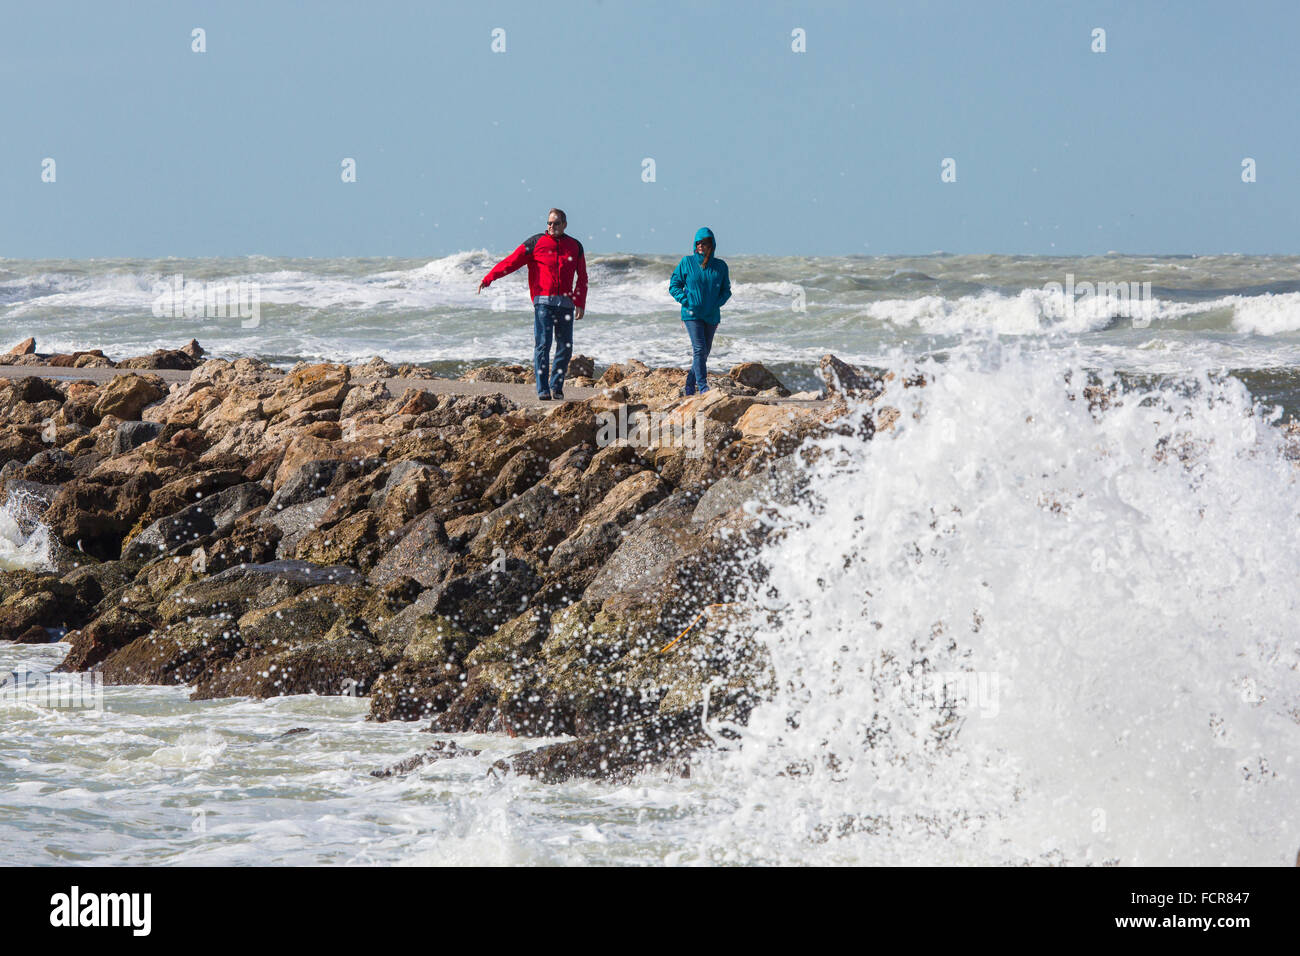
x: 1132, y: 612
x: 1266, y: 314
x: 24, y: 541
x: 1033, y: 312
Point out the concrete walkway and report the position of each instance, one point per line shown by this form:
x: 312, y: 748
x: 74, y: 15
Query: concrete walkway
x: 521, y: 394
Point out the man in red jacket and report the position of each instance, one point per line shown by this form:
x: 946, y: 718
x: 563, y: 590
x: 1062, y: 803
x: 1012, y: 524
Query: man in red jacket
x: 557, y: 283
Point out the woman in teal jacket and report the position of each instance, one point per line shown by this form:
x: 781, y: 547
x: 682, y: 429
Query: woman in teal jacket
x: 702, y: 285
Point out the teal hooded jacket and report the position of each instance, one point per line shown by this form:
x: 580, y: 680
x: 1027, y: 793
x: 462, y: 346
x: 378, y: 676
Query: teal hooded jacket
x: 702, y: 290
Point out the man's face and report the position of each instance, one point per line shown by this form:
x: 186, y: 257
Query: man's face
x: 555, y: 225
x: 704, y: 247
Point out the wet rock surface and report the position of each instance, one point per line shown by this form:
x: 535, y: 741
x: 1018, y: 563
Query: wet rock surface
x: 442, y: 750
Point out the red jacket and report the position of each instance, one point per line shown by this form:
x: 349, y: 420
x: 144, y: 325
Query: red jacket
x: 553, y: 267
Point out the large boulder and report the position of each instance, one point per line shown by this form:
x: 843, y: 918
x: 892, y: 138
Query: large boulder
x: 53, y: 466
x: 93, y: 515
x: 28, y: 391
x: 754, y: 375
x: 760, y: 421
x: 26, y: 347
x: 110, y: 579
x: 352, y: 541
x: 293, y: 523
x: 364, y: 397
x: 214, y: 516
x: 246, y: 544
x: 241, y: 372
x: 91, y: 358
x: 405, y: 493
x: 304, y: 617
x: 177, y: 653
x: 309, y: 448
x: 114, y: 629
x: 847, y: 380
x: 620, y: 753
x: 520, y: 473
x: 306, y: 482
x: 422, y: 552
x: 185, y: 490
x: 20, y: 442
x: 714, y: 404
x: 661, y: 540
x: 481, y: 602
x: 430, y: 667
x: 126, y: 396
x: 242, y: 442
x: 600, y: 530
x: 377, y: 367
x: 238, y: 590
x: 340, y: 667
x: 783, y: 482
x: 180, y: 359
x: 309, y: 388
x: 131, y: 435
x: 40, y: 599
x: 518, y: 374
x: 529, y: 526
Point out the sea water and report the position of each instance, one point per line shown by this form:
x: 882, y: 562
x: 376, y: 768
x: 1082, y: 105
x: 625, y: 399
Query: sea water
x: 1017, y: 627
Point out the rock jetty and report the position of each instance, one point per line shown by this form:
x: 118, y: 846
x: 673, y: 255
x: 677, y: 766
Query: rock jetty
x: 464, y: 560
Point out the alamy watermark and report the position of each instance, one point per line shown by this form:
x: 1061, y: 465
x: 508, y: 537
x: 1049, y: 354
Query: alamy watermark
x: 952, y: 690
x: 83, y: 691
x: 181, y: 298
x: 74, y: 909
x: 1121, y: 299
x: 651, y: 429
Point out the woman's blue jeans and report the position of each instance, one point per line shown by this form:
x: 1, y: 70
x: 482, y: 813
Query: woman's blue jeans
x: 548, y: 321
x: 701, y: 334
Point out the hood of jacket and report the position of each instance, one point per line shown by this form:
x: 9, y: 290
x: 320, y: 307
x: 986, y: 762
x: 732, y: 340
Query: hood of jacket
x: 704, y: 232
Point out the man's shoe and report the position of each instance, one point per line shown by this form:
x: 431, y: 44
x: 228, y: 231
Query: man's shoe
x: 544, y: 396
x: 558, y: 394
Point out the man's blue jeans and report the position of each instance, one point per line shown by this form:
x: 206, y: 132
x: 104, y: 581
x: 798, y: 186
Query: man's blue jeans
x: 551, y: 321
x: 701, y: 334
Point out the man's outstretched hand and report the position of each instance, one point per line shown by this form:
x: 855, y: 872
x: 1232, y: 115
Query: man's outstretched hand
x: 479, y: 289
x: 577, y: 314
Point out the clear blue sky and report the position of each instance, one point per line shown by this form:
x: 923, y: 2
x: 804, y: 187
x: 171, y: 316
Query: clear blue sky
x: 164, y: 152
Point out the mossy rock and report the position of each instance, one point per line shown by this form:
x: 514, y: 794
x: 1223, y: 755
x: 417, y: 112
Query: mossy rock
x: 305, y: 617
x: 333, y: 668
x: 519, y: 639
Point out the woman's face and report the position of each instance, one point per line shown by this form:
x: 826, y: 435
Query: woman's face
x: 704, y: 247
